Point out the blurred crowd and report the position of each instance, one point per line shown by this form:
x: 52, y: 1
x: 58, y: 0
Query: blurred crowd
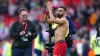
x: 84, y: 14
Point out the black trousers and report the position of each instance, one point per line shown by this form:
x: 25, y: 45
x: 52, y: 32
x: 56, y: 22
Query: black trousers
x: 22, y: 51
x: 38, y: 52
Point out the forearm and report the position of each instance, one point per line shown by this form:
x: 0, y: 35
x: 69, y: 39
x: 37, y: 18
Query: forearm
x: 34, y: 32
x: 15, y: 35
x: 33, y: 36
x: 51, y: 14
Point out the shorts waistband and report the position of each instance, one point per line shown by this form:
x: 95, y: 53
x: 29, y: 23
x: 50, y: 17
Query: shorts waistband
x: 60, y: 41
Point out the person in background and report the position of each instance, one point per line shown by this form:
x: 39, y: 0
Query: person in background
x: 23, y: 32
x: 39, y: 42
x: 72, y: 31
x: 4, y: 30
x: 7, y: 47
x: 95, y: 39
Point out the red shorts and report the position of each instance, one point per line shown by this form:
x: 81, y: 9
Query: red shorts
x: 60, y: 49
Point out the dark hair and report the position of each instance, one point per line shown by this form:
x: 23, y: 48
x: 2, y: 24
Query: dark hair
x: 22, y: 9
x: 62, y: 7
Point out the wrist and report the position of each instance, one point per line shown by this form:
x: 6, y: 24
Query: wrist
x: 50, y: 9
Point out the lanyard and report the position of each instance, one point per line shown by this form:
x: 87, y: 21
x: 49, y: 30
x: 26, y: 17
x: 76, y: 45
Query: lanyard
x: 26, y: 24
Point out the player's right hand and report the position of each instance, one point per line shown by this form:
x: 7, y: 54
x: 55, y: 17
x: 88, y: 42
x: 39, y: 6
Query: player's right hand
x: 49, y: 5
x: 22, y: 33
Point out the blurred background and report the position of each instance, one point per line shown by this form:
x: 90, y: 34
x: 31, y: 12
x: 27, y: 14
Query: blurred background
x: 84, y: 14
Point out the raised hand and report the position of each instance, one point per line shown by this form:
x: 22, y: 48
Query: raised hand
x: 49, y: 5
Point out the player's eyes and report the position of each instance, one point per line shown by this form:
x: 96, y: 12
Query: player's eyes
x: 60, y: 10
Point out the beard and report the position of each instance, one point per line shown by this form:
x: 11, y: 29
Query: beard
x: 59, y: 15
